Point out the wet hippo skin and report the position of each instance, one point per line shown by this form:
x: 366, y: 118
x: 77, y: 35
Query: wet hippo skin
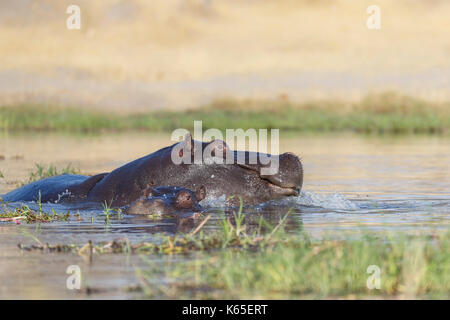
x: 167, y: 200
x: 127, y: 183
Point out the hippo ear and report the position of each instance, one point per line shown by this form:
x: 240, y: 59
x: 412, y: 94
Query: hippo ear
x: 201, y: 193
x: 220, y: 148
x: 148, y: 191
x: 188, y: 141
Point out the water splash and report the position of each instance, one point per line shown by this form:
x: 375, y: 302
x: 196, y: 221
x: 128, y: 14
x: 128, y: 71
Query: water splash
x: 328, y: 201
x: 335, y: 201
x: 214, y: 201
x: 63, y: 195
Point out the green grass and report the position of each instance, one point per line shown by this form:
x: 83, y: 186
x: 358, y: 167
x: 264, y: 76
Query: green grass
x: 410, y: 268
x: 265, y: 262
x: 25, y: 213
x: 45, y: 171
x: 108, y: 211
x: 383, y: 113
x: 280, y: 265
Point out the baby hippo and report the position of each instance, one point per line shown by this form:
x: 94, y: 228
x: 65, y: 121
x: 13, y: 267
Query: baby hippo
x: 167, y: 200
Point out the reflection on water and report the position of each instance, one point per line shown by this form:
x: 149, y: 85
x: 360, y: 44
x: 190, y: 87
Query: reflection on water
x: 351, y: 183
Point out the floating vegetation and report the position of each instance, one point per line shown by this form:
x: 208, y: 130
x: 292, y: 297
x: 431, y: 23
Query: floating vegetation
x: 232, y: 234
x: 409, y: 268
x: 239, y: 262
x: 24, y: 213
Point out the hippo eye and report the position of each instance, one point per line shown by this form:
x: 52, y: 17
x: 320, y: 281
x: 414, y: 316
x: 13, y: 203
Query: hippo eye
x: 218, y: 148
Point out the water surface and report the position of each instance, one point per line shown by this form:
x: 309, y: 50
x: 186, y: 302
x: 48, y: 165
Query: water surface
x: 352, y: 183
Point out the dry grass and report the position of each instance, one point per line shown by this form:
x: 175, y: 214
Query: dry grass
x: 154, y: 42
x: 173, y: 40
x: 389, y: 102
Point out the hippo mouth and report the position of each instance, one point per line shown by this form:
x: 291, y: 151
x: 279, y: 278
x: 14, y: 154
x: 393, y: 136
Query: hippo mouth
x: 289, y: 177
x: 285, y: 191
x: 274, y: 184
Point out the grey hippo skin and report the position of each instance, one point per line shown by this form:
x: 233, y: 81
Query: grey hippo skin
x: 127, y: 183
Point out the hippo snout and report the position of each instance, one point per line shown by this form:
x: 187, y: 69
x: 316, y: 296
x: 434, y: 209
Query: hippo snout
x: 289, y: 174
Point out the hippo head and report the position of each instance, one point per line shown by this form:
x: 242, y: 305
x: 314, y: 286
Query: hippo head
x: 167, y: 200
x: 223, y: 171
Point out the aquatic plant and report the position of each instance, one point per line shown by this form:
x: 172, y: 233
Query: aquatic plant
x: 238, y: 262
x: 107, y: 211
x: 24, y: 213
x: 409, y: 268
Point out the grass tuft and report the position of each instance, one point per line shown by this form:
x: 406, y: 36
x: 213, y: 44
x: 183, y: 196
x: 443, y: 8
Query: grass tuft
x: 409, y: 268
x: 237, y: 263
x: 24, y: 213
x: 45, y: 171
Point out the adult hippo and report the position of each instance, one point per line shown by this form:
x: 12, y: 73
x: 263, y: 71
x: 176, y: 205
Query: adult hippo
x: 244, y: 177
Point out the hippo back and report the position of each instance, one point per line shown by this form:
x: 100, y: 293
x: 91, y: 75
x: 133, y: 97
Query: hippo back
x: 51, y: 188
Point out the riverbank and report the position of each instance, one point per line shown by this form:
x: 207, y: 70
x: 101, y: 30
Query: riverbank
x: 386, y: 113
x: 247, y: 261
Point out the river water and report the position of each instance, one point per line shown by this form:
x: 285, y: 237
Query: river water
x: 352, y: 184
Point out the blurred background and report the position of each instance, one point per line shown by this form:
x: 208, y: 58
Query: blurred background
x: 368, y: 112
x: 301, y: 66
x: 137, y: 55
